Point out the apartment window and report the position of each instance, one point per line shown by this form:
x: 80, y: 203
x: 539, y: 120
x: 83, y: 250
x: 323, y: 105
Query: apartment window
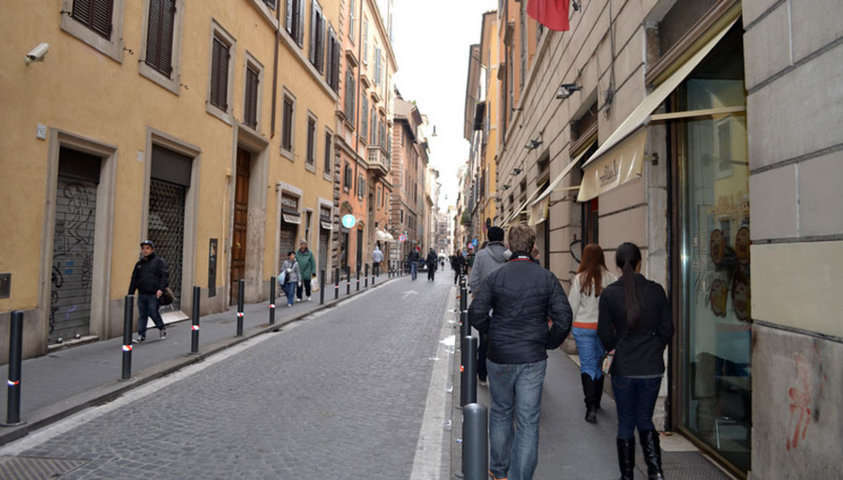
x: 250, y: 102
x: 288, y: 121
x: 402, y: 217
x: 351, y: 10
x: 365, y: 53
x: 360, y: 186
x: 373, y: 136
x: 317, y: 36
x: 378, y: 190
x: 346, y: 178
x: 332, y: 68
x: 98, y: 23
x: 219, y: 73
x: 378, y: 71
x: 364, y: 125
x: 328, y: 151
x: 295, y: 20
x: 159, y: 36
x: 311, y: 143
x: 382, y: 133
x: 349, y: 97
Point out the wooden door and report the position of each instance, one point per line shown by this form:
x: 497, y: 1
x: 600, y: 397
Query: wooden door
x: 241, y: 220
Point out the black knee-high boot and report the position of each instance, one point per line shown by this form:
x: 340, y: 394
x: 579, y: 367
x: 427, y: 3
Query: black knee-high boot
x: 598, y: 391
x: 652, y: 454
x: 588, y: 388
x: 626, y: 458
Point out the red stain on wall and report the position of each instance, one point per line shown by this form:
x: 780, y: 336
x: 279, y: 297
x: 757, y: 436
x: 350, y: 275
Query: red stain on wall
x: 802, y: 397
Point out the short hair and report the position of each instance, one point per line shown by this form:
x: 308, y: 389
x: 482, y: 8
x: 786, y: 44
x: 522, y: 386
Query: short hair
x: 302, y: 241
x: 521, y: 238
x: 495, y: 234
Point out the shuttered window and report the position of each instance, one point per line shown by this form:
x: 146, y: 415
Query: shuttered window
x: 347, y: 177
x: 219, y: 74
x: 351, y: 12
x: 250, y: 113
x: 349, y: 97
x: 94, y: 14
x: 328, y: 144
x: 332, y: 67
x: 374, y: 127
x: 295, y: 20
x: 159, y: 35
x: 311, y: 141
x: 317, y: 36
x: 287, y: 126
x: 364, y: 125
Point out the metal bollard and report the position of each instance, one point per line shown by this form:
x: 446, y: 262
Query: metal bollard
x: 322, y: 287
x: 13, y: 384
x: 475, y: 442
x: 465, y: 328
x: 336, y: 283
x: 374, y: 275
x: 358, y: 278
x: 348, y: 280
x: 241, y: 292
x: 366, y: 276
x: 194, y: 327
x: 272, y: 282
x: 468, y: 371
x: 128, y: 312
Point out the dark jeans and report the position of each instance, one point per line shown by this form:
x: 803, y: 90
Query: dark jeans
x: 413, y: 270
x: 516, y: 395
x: 636, y: 400
x: 290, y: 291
x: 376, y: 269
x: 483, y: 347
x: 456, y: 275
x: 148, y: 308
x: 303, y: 288
x: 431, y: 273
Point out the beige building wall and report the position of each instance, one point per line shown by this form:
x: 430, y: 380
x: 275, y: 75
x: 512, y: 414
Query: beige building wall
x: 794, y: 68
x: 97, y: 96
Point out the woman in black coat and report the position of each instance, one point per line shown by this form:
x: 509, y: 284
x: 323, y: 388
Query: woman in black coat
x: 635, y: 321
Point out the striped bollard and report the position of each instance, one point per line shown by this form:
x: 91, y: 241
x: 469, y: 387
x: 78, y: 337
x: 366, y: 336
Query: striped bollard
x: 13, y: 384
x: 272, y: 301
x: 128, y: 311
x: 241, y: 292
x: 194, y: 322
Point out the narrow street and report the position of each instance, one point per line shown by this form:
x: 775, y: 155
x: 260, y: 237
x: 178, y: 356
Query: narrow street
x: 340, y: 394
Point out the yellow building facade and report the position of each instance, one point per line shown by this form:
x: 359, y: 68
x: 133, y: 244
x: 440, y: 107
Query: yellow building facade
x: 205, y: 127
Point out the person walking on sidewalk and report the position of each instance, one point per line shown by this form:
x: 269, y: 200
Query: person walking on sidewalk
x: 635, y: 320
x: 531, y: 314
x: 307, y: 266
x: 457, y: 265
x: 487, y: 261
x: 150, y: 278
x: 592, y: 277
x: 289, y: 277
x: 377, y: 258
x: 412, y: 261
x: 432, y: 263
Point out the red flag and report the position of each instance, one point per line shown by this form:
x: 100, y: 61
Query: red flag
x: 553, y: 14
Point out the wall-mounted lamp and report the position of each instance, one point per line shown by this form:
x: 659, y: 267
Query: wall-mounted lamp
x: 533, y: 144
x: 566, y: 90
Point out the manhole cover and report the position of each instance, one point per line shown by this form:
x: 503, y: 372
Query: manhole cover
x: 36, y: 468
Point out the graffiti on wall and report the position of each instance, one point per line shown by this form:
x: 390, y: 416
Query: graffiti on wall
x: 803, y: 396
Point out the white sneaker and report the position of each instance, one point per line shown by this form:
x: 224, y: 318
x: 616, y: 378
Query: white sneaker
x: 289, y: 305
x: 308, y: 299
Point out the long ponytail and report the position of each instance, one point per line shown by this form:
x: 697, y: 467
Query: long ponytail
x: 627, y: 258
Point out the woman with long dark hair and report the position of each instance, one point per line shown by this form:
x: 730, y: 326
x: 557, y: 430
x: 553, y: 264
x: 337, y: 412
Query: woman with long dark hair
x: 635, y: 320
x: 592, y: 277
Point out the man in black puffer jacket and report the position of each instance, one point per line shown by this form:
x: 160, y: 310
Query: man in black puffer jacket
x: 530, y: 315
x: 150, y: 278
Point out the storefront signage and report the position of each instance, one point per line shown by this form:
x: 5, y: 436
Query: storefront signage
x: 348, y: 221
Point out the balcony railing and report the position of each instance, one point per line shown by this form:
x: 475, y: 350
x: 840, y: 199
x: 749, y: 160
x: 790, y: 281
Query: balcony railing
x: 379, y: 159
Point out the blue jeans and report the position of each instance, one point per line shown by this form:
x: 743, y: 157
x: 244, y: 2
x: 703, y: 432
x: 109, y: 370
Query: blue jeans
x: 413, y: 270
x: 516, y: 393
x: 148, y: 308
x: 636, y: 400
x: 590, y: 351
x: 290, y: 291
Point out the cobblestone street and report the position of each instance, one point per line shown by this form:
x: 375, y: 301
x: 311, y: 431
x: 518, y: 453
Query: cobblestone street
x: 339, y: 395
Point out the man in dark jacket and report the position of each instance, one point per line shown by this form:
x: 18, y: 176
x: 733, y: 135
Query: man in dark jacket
x: 150, y: 278
x: 490, y: 258
x: 530, y: 314
x: 432, y: 261
x: 457, y: 264
x: 412, y: 262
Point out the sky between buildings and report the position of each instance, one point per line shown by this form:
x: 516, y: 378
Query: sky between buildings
x: 431, y: 42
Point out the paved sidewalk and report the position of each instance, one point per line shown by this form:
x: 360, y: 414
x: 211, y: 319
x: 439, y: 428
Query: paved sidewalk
x: 62, y: 382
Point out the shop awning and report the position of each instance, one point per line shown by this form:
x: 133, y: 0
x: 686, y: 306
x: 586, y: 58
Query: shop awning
x: 620, y: 158
x: 539, y: 211
x: 564, y: 173
x: 290, y: 218
x: 384, y: 236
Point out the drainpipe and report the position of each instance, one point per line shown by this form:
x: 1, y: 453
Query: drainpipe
x: 275, y: 68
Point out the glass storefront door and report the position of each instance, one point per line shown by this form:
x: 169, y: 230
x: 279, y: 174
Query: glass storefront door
x: 714, y: 258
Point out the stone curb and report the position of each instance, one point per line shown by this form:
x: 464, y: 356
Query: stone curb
x: 108, y: 392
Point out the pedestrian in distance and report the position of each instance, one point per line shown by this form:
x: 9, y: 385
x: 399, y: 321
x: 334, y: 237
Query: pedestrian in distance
x: 289, y: 277
x: 457, y: 265
x: 150, y: 278
x: 635, y: 321
x: 488, y: 259
x: 530, y: 314
x: 307, y: 267
x: 591, y: 279
x: 432, y: 263
x: 377, y: 258
x: 412, y: 261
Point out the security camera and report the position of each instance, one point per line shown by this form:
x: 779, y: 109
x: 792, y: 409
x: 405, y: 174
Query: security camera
x: 37, y: 54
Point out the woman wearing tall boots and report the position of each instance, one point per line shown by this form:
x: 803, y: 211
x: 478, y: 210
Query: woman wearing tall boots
x: 592, y: 277
x: 635, y: 320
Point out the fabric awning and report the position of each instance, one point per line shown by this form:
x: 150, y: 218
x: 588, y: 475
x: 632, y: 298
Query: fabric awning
x: 326, y: 226
x: 539, y: 211
x: 565, y: 171
x: 289, y: 218
x: 620, y: 158
x: 384, y: 236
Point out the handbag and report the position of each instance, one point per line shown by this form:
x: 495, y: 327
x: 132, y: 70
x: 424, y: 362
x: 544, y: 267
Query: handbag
x: 167, y: 297
x: 282, y: 277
